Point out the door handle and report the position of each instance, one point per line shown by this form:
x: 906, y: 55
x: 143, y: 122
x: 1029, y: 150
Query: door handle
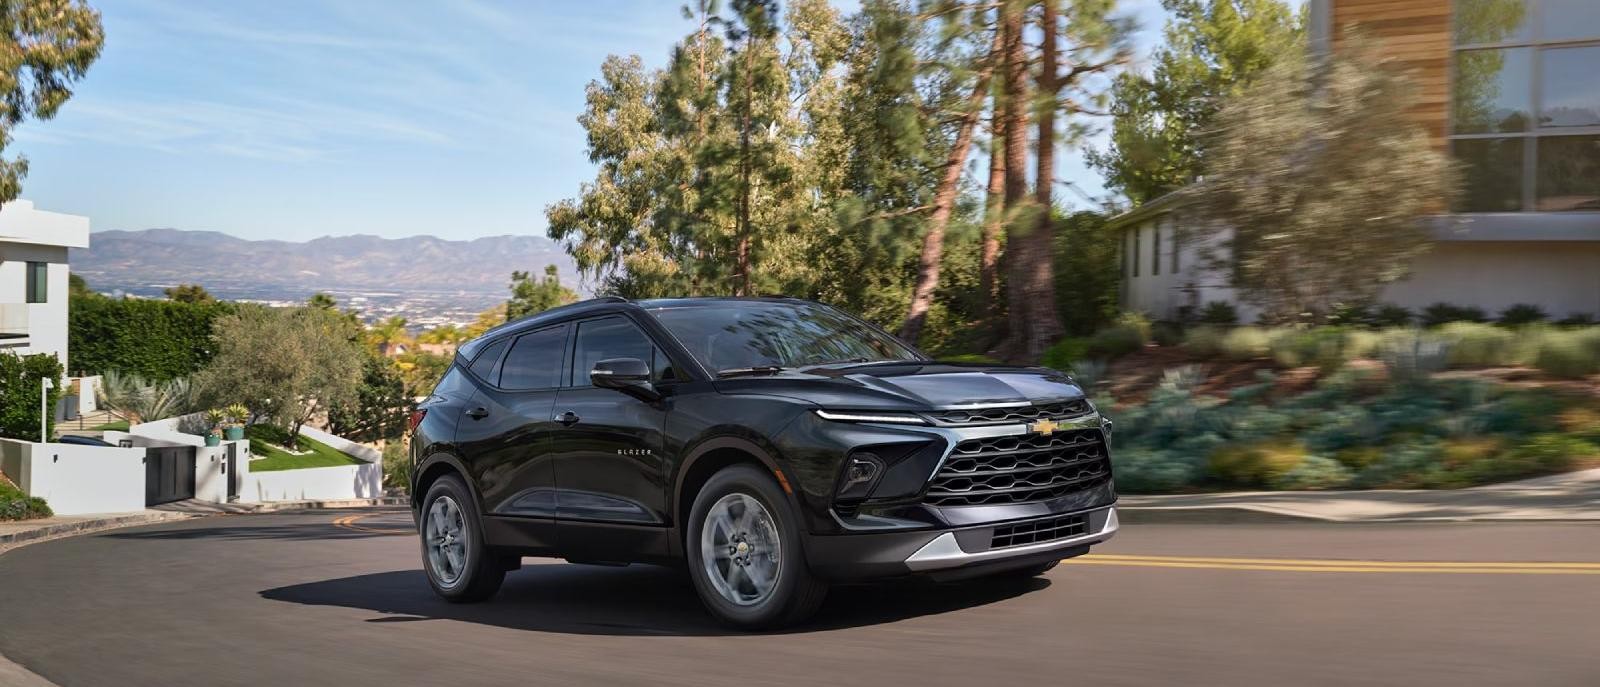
x: 568, y: 418
x: 478, y: 413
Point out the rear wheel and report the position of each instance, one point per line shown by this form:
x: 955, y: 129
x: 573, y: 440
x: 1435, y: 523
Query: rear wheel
x: 456, y: 558
x: 745, y: 558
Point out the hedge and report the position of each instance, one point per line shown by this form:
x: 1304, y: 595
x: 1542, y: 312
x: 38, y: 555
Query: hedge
x: 154, y: 339
x: 19, y: 393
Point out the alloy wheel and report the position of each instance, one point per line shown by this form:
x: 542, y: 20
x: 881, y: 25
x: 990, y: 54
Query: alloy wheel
x: 740, y: 549
x: 445, y: 536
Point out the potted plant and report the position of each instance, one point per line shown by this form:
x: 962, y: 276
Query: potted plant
x: 214, y: 419
x: 237, y: 416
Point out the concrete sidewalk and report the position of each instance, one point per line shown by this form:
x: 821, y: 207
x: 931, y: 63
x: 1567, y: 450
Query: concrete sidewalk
x: 17, y: 532
x: 1573, y: 496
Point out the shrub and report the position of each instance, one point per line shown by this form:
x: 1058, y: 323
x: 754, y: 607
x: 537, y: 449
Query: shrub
x: 1444, y: 313
x: 1150, y: 471
x: 1117, y: 340
x: 154, y: 339
x: 1065, y: 352
x: 1137, y: 321
x: 1359, y: 457
x: 1410, y: 357
x: 396, y: 466
x: 1522, y: 313
x: 1351, y: 314
x: 1246, y: 343
x: 1258, y: 464
x: 1479, y: 345
x: 1402, y: 465
x: 1203, y: 341
x: 1219, y: 313
x: 1543, y: 453
x: 20, y: 381
x: 15, y: 505
x: 1577, y: 319
x: 1583, y: 421
x: 1315, y: 472
x: 1391, y: 315
x: 1570, y: 354
x: 1166, y: 334
x: 1088, y: 373
x: 1327, y: 348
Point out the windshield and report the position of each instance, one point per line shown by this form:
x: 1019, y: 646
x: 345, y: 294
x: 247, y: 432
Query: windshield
x: 735, y: 335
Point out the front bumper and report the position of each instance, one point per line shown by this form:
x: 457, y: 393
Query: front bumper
x: 947, y: 553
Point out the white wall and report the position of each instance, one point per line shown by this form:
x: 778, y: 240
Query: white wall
x: 323, y: 484
x: 47, y: 321
x: 74, y: 479
x: 1563, y: 277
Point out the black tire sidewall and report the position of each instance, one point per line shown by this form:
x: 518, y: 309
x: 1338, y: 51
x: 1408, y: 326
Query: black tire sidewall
x: 477, y: 556
x: 792, y: 566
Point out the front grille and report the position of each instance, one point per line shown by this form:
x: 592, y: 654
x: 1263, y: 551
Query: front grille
x: 1051, y: 529
x: 995, y: 416
x: 1020, y: 469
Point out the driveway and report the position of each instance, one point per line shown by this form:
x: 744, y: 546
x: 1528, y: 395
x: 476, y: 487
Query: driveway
x: 336, y: 598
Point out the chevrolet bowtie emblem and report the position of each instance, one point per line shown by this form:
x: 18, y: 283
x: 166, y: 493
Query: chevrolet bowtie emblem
x: 1045, y: 427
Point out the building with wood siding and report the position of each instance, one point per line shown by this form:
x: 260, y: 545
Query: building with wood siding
x: 1512, y: 89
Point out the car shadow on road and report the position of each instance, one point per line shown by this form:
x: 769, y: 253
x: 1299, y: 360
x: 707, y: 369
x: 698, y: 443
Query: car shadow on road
x: 639, y: 600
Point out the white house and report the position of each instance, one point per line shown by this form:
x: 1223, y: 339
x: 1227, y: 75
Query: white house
x: 33, y: 277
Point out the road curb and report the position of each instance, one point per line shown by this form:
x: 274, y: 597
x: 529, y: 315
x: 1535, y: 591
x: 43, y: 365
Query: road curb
x: 1213, y: 515
x: 61, y: 529
x: 13, y: 675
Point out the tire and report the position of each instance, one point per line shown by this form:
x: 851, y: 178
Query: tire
x: 791, y: 593
x: 473, y: 573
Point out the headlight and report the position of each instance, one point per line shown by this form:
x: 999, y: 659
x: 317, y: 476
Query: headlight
x: 891, y: 418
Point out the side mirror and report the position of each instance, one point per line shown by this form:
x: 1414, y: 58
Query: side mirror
x: 628, y: 375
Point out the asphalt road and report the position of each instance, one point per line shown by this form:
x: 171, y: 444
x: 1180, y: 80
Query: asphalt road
x: 336, y: 598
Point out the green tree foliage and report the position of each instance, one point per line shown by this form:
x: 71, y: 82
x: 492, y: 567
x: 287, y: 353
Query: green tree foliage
x: 380, y: 405
x: 531, y: 296
x: 77, y: 286
x: 1323, y: 180
x: 322, y: 300
x: 156, y: 340
x: 1086, y: 259
x: 189, y: 293
x: 1160, y: 122
x: 289, y: 365
x: 47, y: 47
x: 20, y: 383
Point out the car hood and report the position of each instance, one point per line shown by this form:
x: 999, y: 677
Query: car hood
x: 912, y: 386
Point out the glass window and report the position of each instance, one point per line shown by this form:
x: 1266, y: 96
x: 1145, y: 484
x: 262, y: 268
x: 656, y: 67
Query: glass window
x: 1561, y: 20
x: 1492, y: 92
x: 613, y: 337
x: 1155, y: 250
x: 1492, y: 21
x: 1493, y: 174
x: 38, y: 282
x: 535, y: 360
x: 1569, y: 173
x: 1569, y: 91
x: 483, y: 365
x: 730, y: 335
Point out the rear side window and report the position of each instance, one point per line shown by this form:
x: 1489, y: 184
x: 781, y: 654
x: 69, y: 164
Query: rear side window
x: 535, y: 360
x: 483, y: 365
x: 613, y: 337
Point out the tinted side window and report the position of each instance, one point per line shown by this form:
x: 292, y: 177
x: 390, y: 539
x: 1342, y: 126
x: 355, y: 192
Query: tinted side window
x: 483, y: 365
x: 535, y: 360
x: 612, y: 337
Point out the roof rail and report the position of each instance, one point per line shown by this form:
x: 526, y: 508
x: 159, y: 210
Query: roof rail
x: 608, y: 299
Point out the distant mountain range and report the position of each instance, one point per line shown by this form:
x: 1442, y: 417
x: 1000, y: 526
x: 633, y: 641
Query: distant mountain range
x: 142, y: 262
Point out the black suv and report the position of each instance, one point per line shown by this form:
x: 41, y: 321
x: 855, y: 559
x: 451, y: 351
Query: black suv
x: 773, y: 445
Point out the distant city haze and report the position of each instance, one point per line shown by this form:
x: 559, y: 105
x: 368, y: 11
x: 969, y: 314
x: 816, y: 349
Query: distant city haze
x: 426, y: 279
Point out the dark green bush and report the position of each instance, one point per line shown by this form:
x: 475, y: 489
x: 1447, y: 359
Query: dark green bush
x: 1065, y: 352
x: 1443, y: 313
x: 1146, y: 471
x: 1577, y: 319
x: 15, y: 505
x: 1522, y: 313
x: 1116, y: 340
x: 1166, y: 334
x: 1391, y: 315
x: 1219, y: 313
x: 20, y: 378
x: 156, y: 340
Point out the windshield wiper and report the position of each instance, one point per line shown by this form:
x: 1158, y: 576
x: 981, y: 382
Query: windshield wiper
x: 753, y: 370
x: 858, y: 362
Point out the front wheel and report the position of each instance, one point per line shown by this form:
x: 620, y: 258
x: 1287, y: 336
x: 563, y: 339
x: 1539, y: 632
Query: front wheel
x: 745, y: 557
x: 454, y: 554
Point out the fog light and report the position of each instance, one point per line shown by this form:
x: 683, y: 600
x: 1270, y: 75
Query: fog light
x: 860, y: 472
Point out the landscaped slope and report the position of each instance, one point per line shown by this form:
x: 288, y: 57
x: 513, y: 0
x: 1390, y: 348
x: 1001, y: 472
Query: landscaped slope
x: 269, y: 441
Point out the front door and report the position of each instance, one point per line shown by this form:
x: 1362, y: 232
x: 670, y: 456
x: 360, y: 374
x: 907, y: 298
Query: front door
x: 610, y: 464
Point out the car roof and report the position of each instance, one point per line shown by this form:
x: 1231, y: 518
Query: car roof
x: 599, y: 306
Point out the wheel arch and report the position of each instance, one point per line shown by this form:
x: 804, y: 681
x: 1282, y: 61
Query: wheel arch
x: 434, y: 467
x: 706, y: 460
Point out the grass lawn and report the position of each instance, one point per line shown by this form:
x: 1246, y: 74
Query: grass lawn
x: 117, y: 426
x: 265, y: 440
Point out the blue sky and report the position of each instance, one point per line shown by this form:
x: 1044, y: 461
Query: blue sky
x: 294, y: 119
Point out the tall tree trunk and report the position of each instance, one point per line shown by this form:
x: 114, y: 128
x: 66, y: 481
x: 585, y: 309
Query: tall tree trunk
x: 1044, y: 322
x: 1018, y: 221
x: 742, y: 222
x: 944, y: 200
x: 994, y: 210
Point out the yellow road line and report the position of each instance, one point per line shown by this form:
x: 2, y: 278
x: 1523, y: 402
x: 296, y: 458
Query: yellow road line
x: 349, y: 522
x: 1346, y: 566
